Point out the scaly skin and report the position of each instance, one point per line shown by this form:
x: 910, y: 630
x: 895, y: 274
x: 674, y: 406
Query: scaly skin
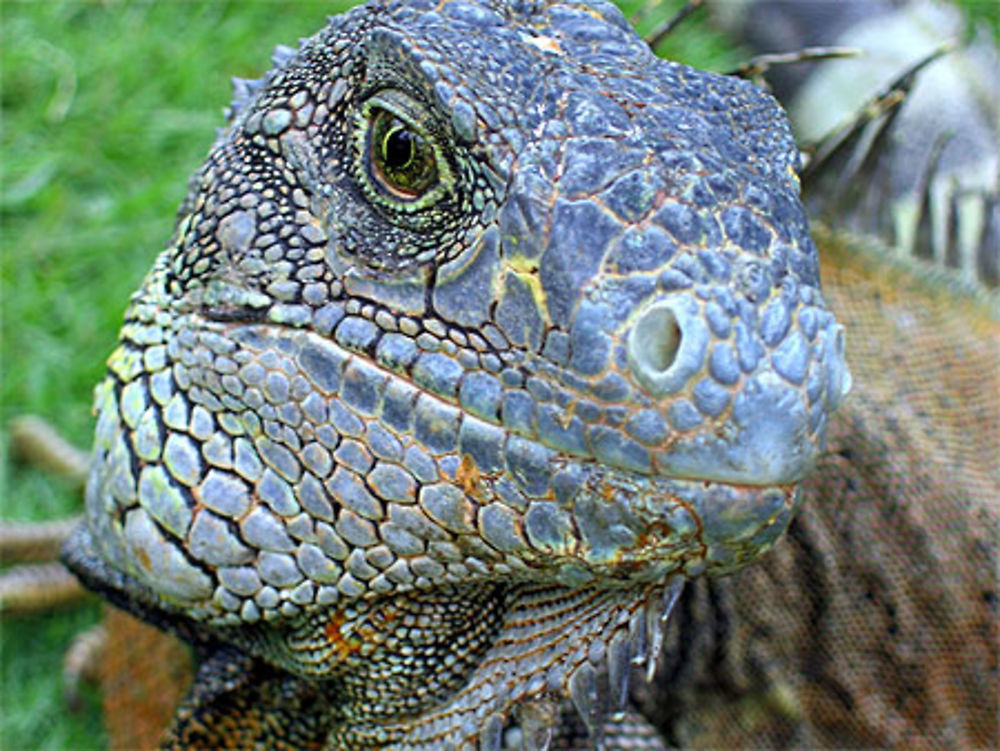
x: 482, y: 329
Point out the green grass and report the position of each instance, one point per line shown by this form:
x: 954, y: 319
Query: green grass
x: 982, y: 13
x: 107, y: 109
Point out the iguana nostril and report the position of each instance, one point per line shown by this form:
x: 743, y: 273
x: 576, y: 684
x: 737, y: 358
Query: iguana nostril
x: 667, y: 344
x: 658, y: 337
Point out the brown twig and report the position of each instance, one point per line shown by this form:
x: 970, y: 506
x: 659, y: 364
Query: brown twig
x: 37, y: 442
x: 32, y: 542
x: 38, y: 588
x: 663, y: 30
x: 758, y: 65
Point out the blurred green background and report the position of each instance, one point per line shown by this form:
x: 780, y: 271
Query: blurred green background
x: 107, y: 108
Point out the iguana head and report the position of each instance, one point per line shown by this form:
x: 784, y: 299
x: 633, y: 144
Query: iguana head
x: 466, y: 294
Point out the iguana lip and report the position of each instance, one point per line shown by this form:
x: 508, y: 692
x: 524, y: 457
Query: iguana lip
x: 762, y: 476
x: 772, y: 440
x: 650, y: 528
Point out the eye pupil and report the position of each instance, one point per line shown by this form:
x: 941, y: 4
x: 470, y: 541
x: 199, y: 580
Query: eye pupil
x: 402, y: 160
x: 398, y: 148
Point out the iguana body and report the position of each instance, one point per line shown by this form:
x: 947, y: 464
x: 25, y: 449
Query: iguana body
x: 482, y: 329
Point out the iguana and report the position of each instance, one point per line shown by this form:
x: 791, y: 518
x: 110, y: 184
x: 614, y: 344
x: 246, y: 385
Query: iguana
x: 482, y: 330
x: 725, y: 653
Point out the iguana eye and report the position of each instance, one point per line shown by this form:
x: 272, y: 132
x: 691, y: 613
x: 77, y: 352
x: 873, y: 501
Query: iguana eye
x: 402, y: 160
x: 401, y: 153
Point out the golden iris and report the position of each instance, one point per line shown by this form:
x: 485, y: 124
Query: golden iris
x: 402, y: 160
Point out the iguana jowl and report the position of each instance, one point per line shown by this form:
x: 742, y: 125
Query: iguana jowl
x: 481, y: 330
